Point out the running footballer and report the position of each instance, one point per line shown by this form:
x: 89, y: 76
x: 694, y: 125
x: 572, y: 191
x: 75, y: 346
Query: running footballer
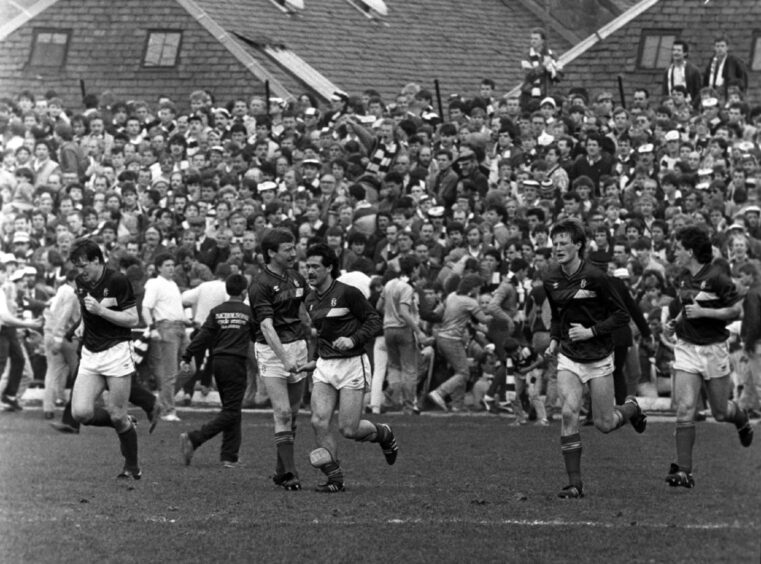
x: 346, y: 322
x: 108, y: 312
x: 585, y: 312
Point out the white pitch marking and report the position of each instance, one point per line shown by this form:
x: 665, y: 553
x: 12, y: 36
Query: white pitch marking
x: 564, y: 523
x: 624, y: 524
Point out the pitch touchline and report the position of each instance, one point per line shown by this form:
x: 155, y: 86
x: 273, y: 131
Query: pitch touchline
x: 174, y: 520
x: 563, y: 523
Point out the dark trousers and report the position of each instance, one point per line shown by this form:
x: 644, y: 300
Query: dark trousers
x: 10, y: 348
x: 619, y: 379
x: 138, y: 396
x: 202, y: 373
x: 230, y: 374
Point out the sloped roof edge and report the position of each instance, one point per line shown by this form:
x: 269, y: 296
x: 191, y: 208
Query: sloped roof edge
x: 605, y: 31
x: 221, y: 35
x: 26, y: 14
x: 303, y: 70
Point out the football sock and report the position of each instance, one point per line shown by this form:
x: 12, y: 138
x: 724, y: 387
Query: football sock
x: 333, y: 471
x: 279, y: 467
x: 736, y: 415
x: 570, y: 446
x: 128, y: 443
x: 685, y: 440
x: 627, y: 411
x: 100, y: 418
x: 284, y: 444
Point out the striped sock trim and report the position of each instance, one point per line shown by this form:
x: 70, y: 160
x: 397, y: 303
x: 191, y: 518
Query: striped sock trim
x: 333, y: 471
x: 736, y: 415
x: 284, y: 438
x: 570, y: 443
x: 685, y: 424
x: 620, y: 419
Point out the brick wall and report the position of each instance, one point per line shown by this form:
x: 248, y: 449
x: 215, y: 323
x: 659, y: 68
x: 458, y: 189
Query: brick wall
x: 106, y: 50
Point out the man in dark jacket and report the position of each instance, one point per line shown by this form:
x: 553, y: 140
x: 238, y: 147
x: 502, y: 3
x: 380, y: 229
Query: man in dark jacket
x: 227, y: 332
x: 681, y: 71
x: 725, y: 70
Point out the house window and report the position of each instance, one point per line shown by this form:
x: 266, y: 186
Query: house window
x: 162, y: 48
x: 655, y: 49
x: 370, y: 8
x: 289, y: 6
x: 755, y: 53
x: 49, y: 47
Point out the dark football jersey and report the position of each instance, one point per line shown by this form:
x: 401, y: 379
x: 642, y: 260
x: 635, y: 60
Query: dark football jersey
x: 342, y: 311
x: 584, y: 297
x: 709, y: 288
x: 113, y: 291
x: 279, y: 298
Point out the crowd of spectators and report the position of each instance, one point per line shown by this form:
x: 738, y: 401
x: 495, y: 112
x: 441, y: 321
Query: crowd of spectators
x: 441, y: 214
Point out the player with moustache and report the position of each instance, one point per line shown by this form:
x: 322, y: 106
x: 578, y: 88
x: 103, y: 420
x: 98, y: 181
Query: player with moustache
x: 585, y: 312
x: 345, y: 322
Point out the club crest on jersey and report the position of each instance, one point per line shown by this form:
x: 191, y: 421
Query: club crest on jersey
x: 583, y: 283
x: 703, y: 285
x: 555, y: 284
x: 333, y: 302
x: 105, y: 292
x: 276, y: 288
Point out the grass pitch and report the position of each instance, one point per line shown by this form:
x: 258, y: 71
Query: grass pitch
x: 464, y: 489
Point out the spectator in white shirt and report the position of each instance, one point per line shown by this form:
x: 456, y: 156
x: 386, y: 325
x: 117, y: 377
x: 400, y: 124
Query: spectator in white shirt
x: 202, y: 299
x: 165, y: 316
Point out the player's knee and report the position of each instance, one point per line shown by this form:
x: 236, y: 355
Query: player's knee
x: 348, y: 431
x: 719, y: 415
x: 283, y: 415
x: 605, y: 424
x: 319, y: 421
x: 82, y: 415
x: 569, y: 411
x: 684, y: 410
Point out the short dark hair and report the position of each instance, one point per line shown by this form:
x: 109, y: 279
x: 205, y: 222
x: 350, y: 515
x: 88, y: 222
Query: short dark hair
x: 519, y: 264
x: 87, y: 249
x: 185, y: 252
x: 236, y: 284
x: 408, y: 264
x: 574, y: 229
x: 468, y: 283
x: 161, y: 258
x: 356, y: 237
x: 362, y: 264
x: 273, y: 239
x: 328, y: 257
x: 500, y: 209
x: 749, y: 268
x: 697, y: 240
x: 494, y: 253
